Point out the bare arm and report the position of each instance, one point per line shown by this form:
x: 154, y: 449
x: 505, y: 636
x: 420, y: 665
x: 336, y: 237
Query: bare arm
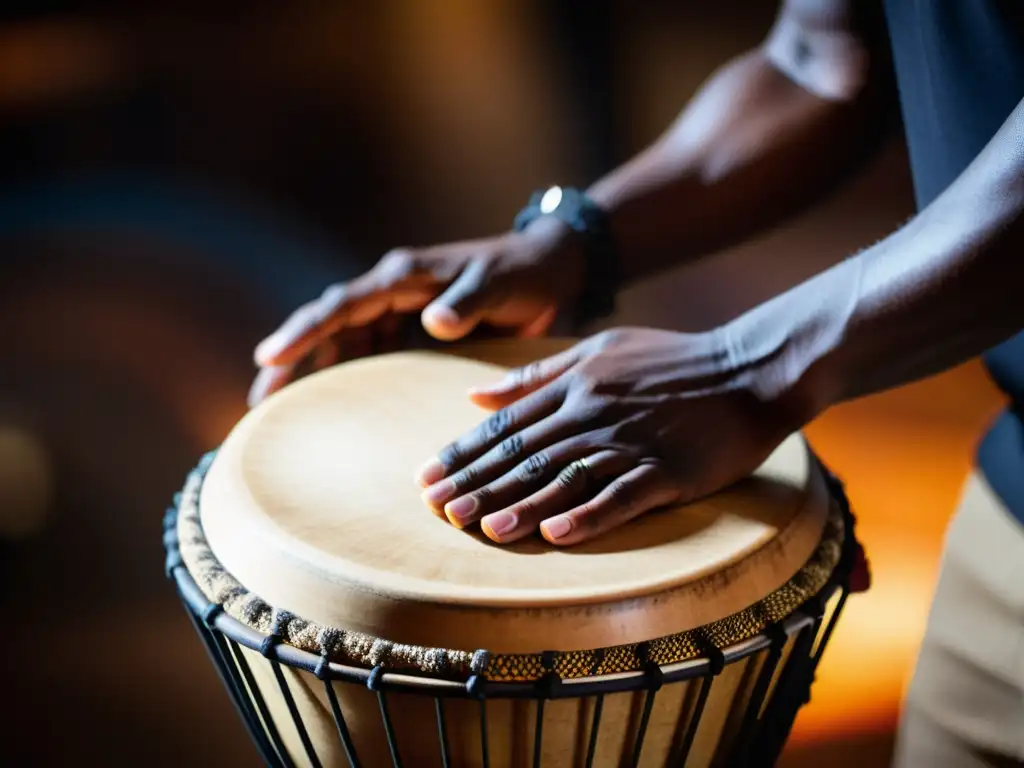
x: 939, y: 291
x: 661, y: 417
x: 764, y: 137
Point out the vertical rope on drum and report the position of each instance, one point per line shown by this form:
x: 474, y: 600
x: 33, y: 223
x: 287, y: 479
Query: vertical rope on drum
x: 654, y: 679
x: 547, y: 686
x: 716, y: 663
x: 268, y: 650
x: 832, y: 621
x: 293, y: 710
x: 794, y: 687
x: 741, y: 751
x: 244, y: 701
x: 209, y: 636
x: 373, y: 682
x: 261, y: 707
x: 341, y: 726
x: 442, y: 732
x: 221, y: 664
x: 476, y: 687
x: 786, y: 699
x: 328, y: 641
x: 595, y: 725
x: 595, y: 722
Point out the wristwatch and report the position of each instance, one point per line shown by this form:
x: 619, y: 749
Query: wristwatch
x: 601, y: 265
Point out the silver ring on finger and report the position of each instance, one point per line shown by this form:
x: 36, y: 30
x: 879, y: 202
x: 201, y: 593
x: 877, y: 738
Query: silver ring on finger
x: 579, y: 470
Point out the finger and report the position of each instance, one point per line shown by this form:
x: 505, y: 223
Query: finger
x: 520, y: 382
x: 530, y: 442
x: 293, y: 339
x: 497, y: 427
x: 522, y: 479
x: 399, y: 279
x: 268, y: 381
x: 570, y: 487
x: 310, y: 324
x: 639, y: 490
x: 457, y: 311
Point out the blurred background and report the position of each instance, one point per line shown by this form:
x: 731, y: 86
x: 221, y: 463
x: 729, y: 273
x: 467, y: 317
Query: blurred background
x: 174, y: 178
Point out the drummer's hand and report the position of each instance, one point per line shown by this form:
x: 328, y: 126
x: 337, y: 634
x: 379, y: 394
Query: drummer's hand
x: 515, y: 282
x: 659, y: 418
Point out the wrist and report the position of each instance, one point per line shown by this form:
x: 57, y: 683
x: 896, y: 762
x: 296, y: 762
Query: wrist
x: 590, y: 243
x: 556, y: 252
x: 790, y: 350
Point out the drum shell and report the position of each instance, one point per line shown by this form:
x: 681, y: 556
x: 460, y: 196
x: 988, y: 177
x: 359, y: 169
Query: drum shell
x: 511, y: 723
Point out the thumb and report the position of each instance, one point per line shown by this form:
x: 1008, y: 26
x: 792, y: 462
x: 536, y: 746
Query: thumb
x: 457, y: 311
x: 519, y: 382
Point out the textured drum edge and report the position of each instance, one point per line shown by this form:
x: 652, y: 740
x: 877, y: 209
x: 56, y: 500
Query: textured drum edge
x: 359, y: 649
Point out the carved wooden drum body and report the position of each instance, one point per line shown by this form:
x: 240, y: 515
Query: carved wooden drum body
x: 354, y: 627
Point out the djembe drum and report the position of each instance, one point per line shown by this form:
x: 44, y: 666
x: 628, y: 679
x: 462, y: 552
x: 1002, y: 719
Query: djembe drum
x: 352, y: 626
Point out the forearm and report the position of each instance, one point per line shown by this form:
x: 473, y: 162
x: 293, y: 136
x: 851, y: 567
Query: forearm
x: 938, y: 292
x: 752, y: 147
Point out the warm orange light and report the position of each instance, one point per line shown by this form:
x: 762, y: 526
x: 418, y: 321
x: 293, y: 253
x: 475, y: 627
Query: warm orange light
x: 903, y: 456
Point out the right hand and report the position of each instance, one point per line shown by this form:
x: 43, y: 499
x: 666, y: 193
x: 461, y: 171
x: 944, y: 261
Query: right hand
x: 516, y: 282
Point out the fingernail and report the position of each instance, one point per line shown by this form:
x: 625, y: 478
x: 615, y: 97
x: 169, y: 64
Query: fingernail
x: 431, y: 472
x: 260, y: 387
x: 489, y: 389
x: 500, y: 523
x: 439, y: 493
x: 461, y: 508
x: 556, y: 527
x: 255, y: 392
x: 441, y: 315
x: 268, y: 349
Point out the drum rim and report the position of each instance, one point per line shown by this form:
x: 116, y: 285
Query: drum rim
x: 213, y: 617
x: 376, y: 652
x: 475, y: 686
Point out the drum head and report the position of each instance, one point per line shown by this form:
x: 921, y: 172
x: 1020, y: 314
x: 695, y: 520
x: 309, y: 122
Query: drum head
x: 311, y: 504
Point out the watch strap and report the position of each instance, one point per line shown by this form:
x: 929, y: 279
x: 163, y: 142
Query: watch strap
x: 601, y: 266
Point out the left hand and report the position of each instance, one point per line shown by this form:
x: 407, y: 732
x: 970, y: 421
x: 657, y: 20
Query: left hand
x: 624, y: 422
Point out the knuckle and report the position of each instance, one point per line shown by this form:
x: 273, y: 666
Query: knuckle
x: 305, y: 318
x: 525, y: 510
x: 590, y: 411
x: 398, y: 263
x: 497, y: 424
x: 330, y: 301
x: 332, y: 295
x: 622, y: 496
x: 306, y: 312
x: 586, y: 520
x: 483, y: 497
x: 570, y: 476
x: 534, y: 467
x: 466, y: 477
x: 450, y: 455
x: 511, y: 447
x: 584, y: 386
x: 608, y: 338
x: 525, y: 376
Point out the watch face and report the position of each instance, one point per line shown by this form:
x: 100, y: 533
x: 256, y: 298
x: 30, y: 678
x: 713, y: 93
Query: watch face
x: 549, y: 202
